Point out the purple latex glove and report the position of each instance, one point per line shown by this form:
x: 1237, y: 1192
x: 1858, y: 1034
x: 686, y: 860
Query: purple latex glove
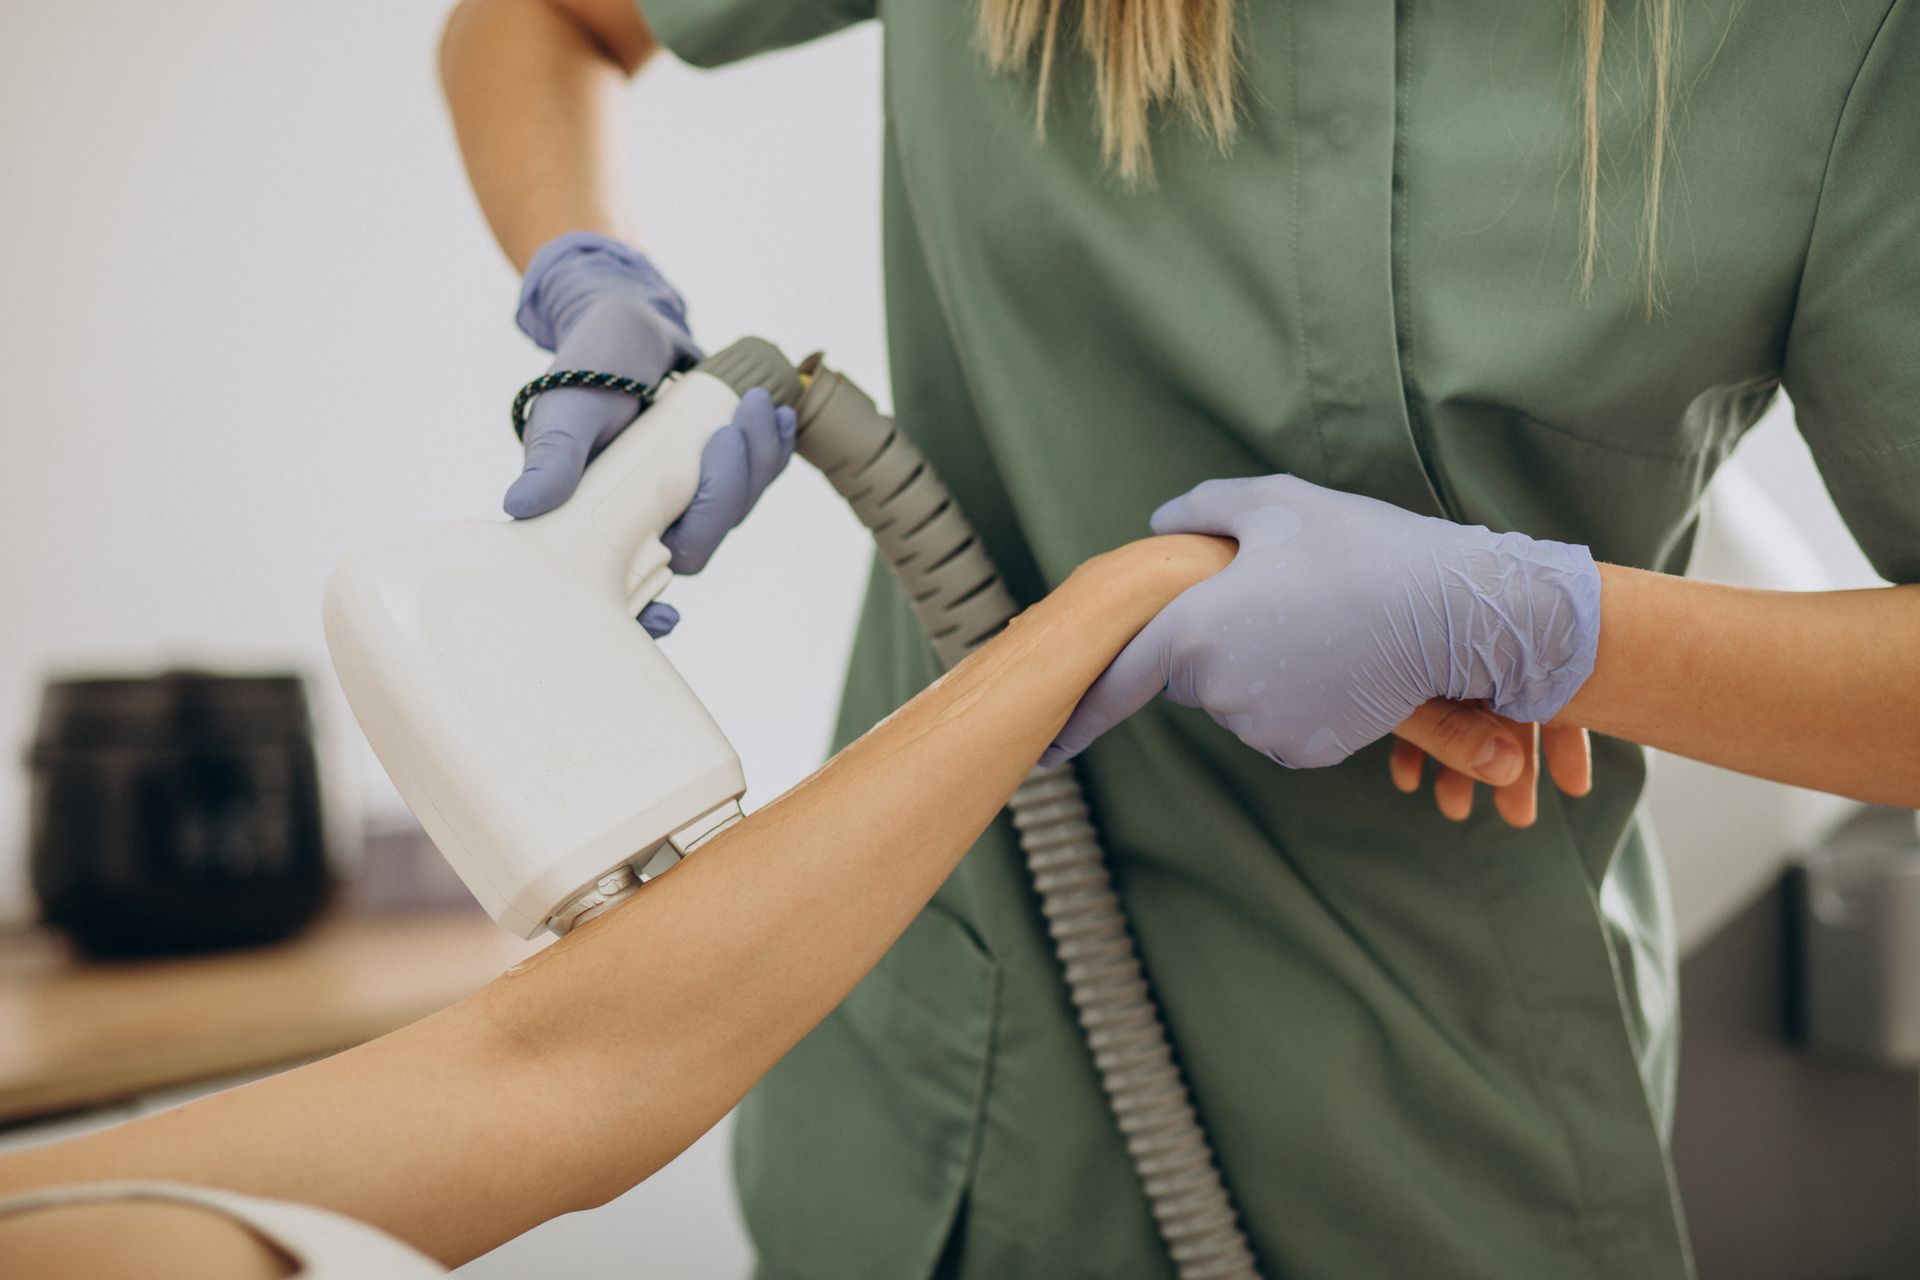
x: 1340, y: 614
x: 601, y: 305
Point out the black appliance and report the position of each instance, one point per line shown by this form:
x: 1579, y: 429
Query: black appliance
x: 176, y: 813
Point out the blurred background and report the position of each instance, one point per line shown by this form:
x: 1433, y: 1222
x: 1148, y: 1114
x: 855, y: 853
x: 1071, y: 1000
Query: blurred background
x: 249, y: 312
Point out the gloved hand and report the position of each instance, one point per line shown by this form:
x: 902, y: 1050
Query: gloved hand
x: 1339, y: 615
x: 601, y: 305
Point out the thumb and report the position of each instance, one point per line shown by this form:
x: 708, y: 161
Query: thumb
x: 563, y: 429
x: 1465, y: 737
x: 1129, y: 683
x: 1213, y: 506
x: 551, y: 472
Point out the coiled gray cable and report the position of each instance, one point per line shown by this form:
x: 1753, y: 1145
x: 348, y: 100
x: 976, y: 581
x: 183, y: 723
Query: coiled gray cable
x: 960, y: 600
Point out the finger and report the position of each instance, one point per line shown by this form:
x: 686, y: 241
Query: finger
x: 1209, y: 507
x: 1569, y: 757
x: 1129, y: 683
x: 786, y: 427
x: 719, y: 501
x: 564, y: 428
x: 1453, y: 792
x: 758, y: 424
x: 659, y: 618
x: 555, y: 458
x: 1519, y: 801
x: 1404, y: 765
x: 1466, y: 737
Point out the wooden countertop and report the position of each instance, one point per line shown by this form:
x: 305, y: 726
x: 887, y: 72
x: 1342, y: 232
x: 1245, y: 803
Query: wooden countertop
x: 78, y: 1033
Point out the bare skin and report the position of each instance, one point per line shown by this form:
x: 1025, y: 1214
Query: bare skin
x: 567, y: 1081
x: 520, y: 1103
x: 1819, y: 689
x: 532, y: 86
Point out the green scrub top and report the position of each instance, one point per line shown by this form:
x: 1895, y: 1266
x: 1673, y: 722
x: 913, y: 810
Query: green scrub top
x: 1421, y: 1048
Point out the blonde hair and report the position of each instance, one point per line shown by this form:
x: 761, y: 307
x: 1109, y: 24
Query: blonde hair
x: 1149, y: 54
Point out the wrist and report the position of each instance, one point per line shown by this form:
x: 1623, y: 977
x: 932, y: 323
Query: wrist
x: 1556, y: 611
x: 1143, y: 577
x: 570, y: 271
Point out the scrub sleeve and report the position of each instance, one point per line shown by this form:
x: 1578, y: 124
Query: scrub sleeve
x: 1853, y: 353
x: 1421, y: 1048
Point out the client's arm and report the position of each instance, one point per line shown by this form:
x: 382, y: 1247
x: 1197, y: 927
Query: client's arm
x: 573, y: 1077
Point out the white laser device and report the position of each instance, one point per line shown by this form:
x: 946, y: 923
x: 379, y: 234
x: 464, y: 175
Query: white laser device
x: 550, y: 750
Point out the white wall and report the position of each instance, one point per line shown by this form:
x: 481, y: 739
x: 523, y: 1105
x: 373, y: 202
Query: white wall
x: 248, y: 311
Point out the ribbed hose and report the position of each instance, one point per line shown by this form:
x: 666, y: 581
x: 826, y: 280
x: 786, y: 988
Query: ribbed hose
x: 960, y: 601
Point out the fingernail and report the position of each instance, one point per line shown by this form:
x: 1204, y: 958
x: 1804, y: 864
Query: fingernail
x: 526, y: 498
x: 1498, y: 762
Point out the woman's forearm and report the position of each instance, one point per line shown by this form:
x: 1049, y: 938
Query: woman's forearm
x: 572, y: 1078
x: 533, y: 86
x: 1817, y: 689
x: 805, y: 896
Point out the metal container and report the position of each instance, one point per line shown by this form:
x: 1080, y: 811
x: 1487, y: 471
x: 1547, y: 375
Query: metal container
x: 1857, y: 917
